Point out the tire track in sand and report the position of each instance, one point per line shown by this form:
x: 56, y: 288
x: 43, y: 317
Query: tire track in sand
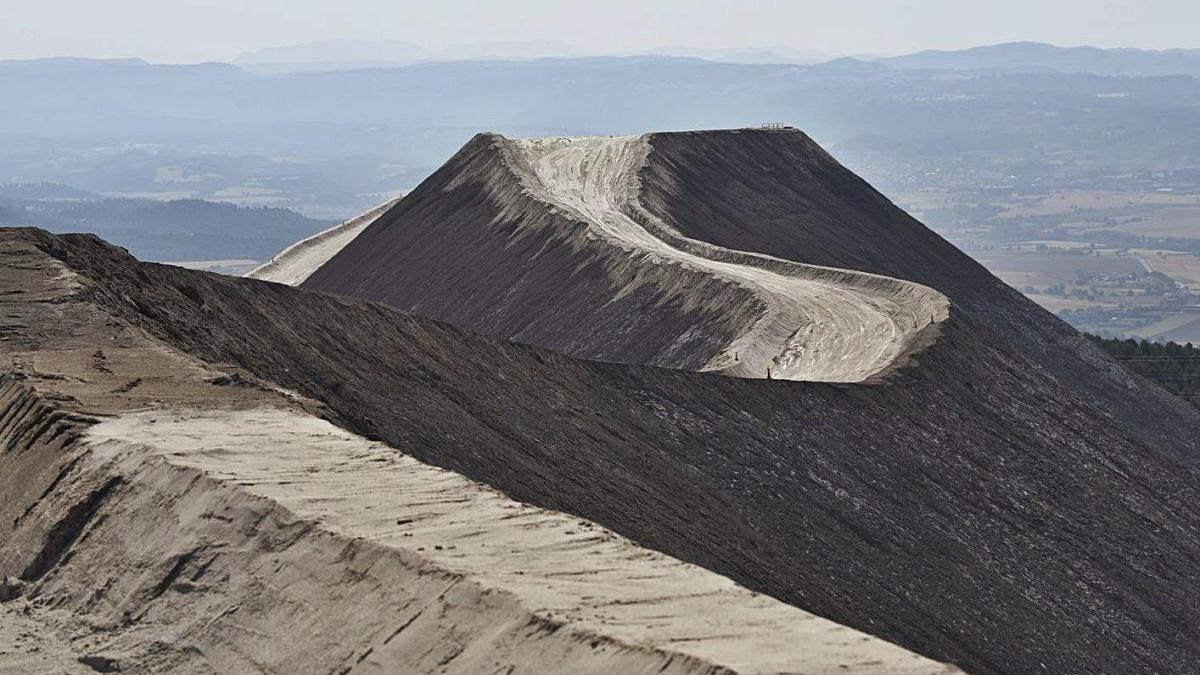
x: 820, y: 324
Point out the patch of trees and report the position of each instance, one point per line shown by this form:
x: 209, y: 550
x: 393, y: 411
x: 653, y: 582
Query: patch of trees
x: 1126, y: 240
x: 1173, y: 366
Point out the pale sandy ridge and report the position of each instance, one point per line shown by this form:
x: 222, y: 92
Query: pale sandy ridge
x: 562, y: 568
x: 821, y: 324
x: 31, y: 647
x: 818, y: 323
x: 297, y: 262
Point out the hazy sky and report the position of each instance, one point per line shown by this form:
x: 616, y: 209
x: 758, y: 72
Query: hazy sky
x: 196, y: 30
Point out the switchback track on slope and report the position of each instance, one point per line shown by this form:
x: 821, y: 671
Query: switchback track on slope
x: 482, y: 244
x: 546, y: 241
x: 817, y: 324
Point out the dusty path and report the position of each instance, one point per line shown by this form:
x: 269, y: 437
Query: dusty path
x: 821, y: 324
x: 563, y: 568
x: 31, y: 647
x: 297, y: 262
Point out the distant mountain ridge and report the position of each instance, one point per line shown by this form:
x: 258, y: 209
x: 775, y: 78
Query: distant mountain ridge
x: 128, y: 127
x: 345, y: 54
x: 1038, y: 55
x: 72, y: 66
x: 352, y: 54
x: 1025, y: 55
x: 186, y: 229
x: 330, y: 55
x: 67, y: 62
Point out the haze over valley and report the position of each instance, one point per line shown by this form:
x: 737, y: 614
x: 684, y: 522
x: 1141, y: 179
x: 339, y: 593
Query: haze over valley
x: 1023, y: 154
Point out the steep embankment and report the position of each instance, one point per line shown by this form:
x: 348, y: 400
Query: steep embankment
x: 547, y: 233
x: 295, y: 263
x: 817, y: 323
x: 164, y: 514
x: 472, y: 247
x: 780, y: 194
x: 476, y: 245
x: 974, y: 508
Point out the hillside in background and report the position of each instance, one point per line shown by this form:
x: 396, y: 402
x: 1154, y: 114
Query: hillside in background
x: 1027, y: 56
x: 127, y: 127
x: 1041, y: 56
x: 1071, y: 173
x: 179, y: 230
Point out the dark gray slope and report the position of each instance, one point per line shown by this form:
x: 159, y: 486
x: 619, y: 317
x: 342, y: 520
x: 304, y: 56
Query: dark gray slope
x: 974, y: 508
x: 781, y: 194
x: 469, y: 248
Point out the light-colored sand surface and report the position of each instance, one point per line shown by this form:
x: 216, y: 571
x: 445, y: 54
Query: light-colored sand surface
x: 295, y: 263
x: 821, y: 324
x: 30, y: 647
x: 562, y: 568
